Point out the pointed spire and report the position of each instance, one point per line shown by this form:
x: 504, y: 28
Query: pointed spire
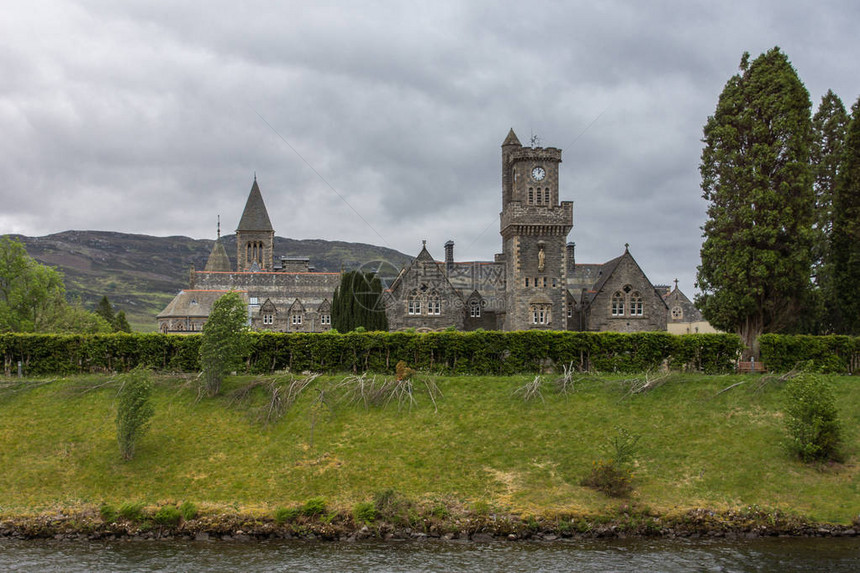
x: 511, y: 139
x: 255, y: 217
x: 218, y: 238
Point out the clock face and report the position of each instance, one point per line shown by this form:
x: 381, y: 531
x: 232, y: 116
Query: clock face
x: 538, y: 173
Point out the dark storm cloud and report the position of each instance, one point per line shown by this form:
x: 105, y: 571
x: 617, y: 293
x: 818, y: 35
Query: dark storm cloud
x: 153, y: 117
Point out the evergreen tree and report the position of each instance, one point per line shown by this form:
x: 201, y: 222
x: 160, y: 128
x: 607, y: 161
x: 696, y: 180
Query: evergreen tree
x: 829, y: 125
x: 845, y: 236
x: 120, y: 322
x: 225, y: 343
x: 105, y: 310
x: 757, y: 179
x: 358, y: 302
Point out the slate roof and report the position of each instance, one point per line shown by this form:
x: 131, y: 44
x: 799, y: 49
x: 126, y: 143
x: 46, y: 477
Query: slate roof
x: 255, y: 217
x: 193, y: 303
x: 512, y: 139
x: 218, y: 260
x: 691, y: 313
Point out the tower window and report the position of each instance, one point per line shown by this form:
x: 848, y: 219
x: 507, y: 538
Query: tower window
x: 540, y: 313
x: 527, y: 281
x: 531, y: 195
x: 546, y: 195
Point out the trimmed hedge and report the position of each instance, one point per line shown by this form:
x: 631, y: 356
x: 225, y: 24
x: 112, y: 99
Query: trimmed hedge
x: 832, y: 354
x: 490, y: 352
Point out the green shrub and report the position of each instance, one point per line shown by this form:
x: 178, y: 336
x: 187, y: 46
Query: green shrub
x: 134, y: 410
x: 314, y: 506
x: 286, y: 514
x: 167, y: 516
x: 108, y: 513
x: 610, y: 478
x: 364, y: 512
x: 132, y: 511
x: 188, y: 510
x: 394, y: 507
x: 814, y: 432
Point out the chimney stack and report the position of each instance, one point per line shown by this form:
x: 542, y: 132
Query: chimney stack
x: 449, y: 256
x: 571, y: 255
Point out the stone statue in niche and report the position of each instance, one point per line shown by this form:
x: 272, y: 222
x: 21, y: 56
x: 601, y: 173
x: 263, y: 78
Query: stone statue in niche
x: 541, y: 258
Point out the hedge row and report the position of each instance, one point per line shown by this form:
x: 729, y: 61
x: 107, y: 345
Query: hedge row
x: 837, y: 354
x: 448, y: 352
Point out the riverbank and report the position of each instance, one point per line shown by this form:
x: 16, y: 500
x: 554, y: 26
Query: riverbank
x: 466, y: 455
x: 749, y: 523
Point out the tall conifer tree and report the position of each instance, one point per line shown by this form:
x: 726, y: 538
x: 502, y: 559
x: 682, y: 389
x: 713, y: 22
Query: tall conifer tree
x: 357, y: 302
x: 757, y: 179
x: 828, y: 125
x: 845, y: 236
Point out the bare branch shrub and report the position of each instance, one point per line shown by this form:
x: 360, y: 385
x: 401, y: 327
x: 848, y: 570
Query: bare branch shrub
x: 531, y: 390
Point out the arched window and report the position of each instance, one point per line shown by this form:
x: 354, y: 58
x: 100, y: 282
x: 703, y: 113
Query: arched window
x: 531, y: 195
x: 413, y: 303
x: 546, y: 195
x: 636, y: 308
x: 475, y: 309
x: 434, y: 304
x: 541, y: 313
x: 618, y: 304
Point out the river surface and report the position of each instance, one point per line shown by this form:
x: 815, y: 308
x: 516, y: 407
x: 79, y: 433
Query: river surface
x: 834, y: 555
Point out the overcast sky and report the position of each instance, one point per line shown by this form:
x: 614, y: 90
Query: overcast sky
x: 381, y: 122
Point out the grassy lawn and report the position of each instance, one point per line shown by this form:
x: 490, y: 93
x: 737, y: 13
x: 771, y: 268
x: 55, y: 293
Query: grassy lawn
x: 480, y: 444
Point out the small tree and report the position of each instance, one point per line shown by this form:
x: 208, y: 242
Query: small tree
x: 814, y: 432
x: 105, y: 310
x: 120, y: 322
x: 225, y: 343
x: 134, y: 411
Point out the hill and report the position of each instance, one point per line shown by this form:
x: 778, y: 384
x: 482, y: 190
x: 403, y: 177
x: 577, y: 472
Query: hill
x: 140, y: 274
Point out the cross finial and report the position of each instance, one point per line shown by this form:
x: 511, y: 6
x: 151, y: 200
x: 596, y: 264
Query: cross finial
x: 626, y: 246
x: 423, y: 242
x: 676, y: 284
x: 219, y: 226
x: 255, y: 176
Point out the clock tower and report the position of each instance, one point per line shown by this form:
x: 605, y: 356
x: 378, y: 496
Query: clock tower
x: 534, y: 229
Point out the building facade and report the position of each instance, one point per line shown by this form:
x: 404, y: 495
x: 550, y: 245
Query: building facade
x: 535, y: 283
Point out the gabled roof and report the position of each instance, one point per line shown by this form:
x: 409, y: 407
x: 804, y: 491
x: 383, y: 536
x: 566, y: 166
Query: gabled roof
x: 425, y: 255
x: 255, y: 217
x: 606, y: 271
x: 218, y: 260
x: 512, y: 139
x: 194, y: 303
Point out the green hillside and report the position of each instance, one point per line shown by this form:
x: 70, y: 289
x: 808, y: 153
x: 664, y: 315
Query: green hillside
x: 140, y: 274
x: 479, y: 445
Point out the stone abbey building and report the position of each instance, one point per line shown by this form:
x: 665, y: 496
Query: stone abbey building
x: 534, y: 283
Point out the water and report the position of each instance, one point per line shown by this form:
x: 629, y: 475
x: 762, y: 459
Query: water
x: 760, y: 555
